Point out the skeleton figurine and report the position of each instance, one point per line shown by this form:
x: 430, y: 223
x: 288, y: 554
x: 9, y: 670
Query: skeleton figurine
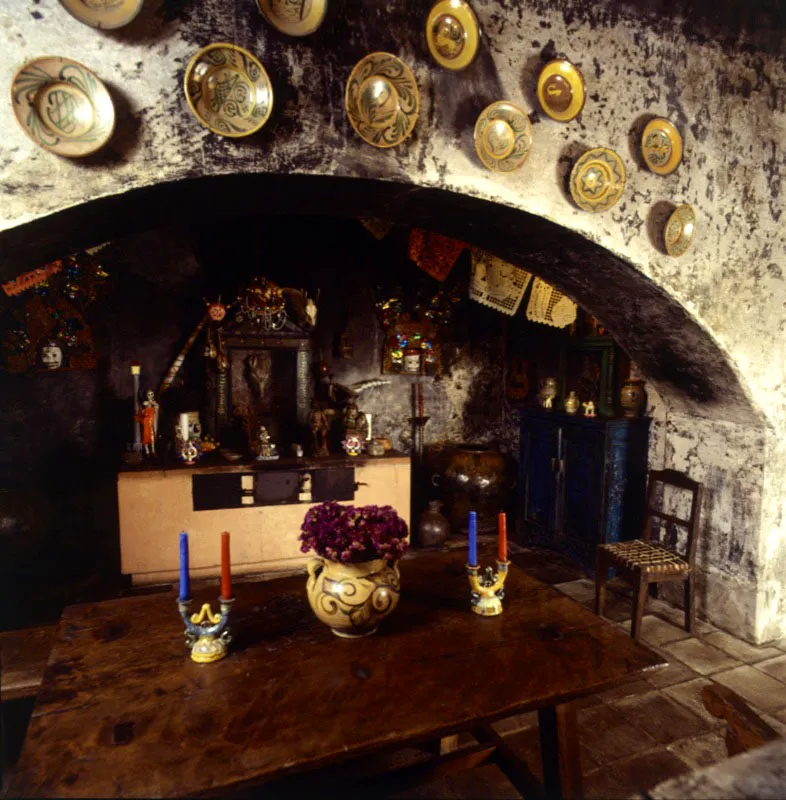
x: 267, y: 450
x: 148, y: 417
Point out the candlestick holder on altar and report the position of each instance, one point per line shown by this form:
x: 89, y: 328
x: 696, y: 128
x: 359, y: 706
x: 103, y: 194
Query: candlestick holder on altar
x: 418, y: 424
x: 207, y: 634
x: 488, y: 588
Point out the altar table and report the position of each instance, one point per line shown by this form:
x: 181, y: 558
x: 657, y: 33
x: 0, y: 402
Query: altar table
x: 123, y: 711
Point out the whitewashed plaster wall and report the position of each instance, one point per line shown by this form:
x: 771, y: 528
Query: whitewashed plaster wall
x: 730, y: 106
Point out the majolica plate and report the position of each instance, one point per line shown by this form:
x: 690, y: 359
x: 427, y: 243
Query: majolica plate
x: 597, y: 180
x: 452, y: 33
x: 503, y: 136
x: 679, y: 230
x: 105, y: 14
x: 382, y: 100
x: 661, y: 146
x: 561, y: 90
x: 62, y: 106
x: 228, y: 90
x: 294, y: 17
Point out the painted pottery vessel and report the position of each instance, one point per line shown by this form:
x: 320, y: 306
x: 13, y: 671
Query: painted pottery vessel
x: 548, y: 392
x: 352, y: 599
x: 572, y: 403
x: 433, y: 527
x: 633, y: 398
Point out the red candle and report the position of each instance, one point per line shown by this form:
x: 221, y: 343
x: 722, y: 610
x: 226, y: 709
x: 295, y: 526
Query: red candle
x: 226, y: 577
x: 502, y: 530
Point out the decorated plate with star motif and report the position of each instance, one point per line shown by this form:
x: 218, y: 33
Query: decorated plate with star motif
x: 597, y: 180
x: 62, y: 106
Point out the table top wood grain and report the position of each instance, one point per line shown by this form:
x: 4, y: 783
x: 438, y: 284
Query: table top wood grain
x: 123, y: 711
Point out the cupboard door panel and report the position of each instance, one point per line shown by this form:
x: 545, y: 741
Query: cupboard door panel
x: 541, y: 444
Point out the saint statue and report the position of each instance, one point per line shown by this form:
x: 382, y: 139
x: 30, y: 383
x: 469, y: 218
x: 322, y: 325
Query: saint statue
x: 147, y: 416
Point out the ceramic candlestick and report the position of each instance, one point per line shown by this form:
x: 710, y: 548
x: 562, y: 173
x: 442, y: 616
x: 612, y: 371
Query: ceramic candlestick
x: 487, y: 589
x: 207, y: 634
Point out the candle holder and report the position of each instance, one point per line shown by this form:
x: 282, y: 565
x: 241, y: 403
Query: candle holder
x: 207, y: 634
x: 487, y: 589
x: 418, y: 425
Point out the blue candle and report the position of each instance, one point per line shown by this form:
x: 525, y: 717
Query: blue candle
x: 184, y: 580
x: 473, y: 539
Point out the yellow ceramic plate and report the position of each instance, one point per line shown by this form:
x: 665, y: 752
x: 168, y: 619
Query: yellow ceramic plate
x: 679, y: 230
x: 452, y: 33
x: 597, y: 180
x: 561, y: 90
x: 503, y: 136
x: 62, y: 106
x: 228, y: 90
x: 294, y: 17
x: 106, y: 14
x: 661, y: 146
x: 382, y: 100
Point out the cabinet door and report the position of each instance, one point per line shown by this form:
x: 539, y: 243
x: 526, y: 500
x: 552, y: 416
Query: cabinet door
x: 540, y: 445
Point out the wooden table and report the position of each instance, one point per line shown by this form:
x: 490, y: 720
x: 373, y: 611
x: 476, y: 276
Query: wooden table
x: 123, y: 712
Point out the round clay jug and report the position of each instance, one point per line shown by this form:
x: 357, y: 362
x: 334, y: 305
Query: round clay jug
x: 633, y: 398
x: 572, y: 403
x: 352, y: 598
x: 475, y: 479
x: 433, y: 527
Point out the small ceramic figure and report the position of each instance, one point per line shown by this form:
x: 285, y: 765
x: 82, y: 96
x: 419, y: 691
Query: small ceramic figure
x: 548, y: 392
x: 148, y: 417
x: 50, y: 354
x: 572, y: 403
x: 189, y: 453
x: 267, y: 450
x: 352, y: 445
x: 589, y: 409
x: 412, y: 361
x: 318, y: 422
x: 297, y: 450
x: 354, y: 420
x: 304, y: 491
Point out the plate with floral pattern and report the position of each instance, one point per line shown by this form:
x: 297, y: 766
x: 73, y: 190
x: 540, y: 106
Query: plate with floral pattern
x: 452, y: 33
x: 104, y: 14
x: 680, y: 229
x: 661, y: 146
x: 228, y: 90
x: 62, y: 106
x: 597, y: 180
x: 503, y: 136
x: 382, y: 100
x: 294, y: 17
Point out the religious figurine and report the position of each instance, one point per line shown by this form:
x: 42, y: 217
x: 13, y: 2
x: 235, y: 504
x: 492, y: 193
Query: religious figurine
x: 267, y: 450
x: 317, y: 421
x: 589, y: 409
x: 352, y: 444
x: 189, y: 453
x: 148, y: 417
x: 354, y: 420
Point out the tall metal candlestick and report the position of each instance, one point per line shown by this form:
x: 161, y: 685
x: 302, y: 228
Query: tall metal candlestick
x: 135, y: 370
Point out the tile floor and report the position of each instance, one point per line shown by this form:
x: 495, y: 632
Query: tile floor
x: 639, y: 734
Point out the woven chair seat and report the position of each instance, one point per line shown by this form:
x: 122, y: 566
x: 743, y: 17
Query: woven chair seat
x: 646, y: 557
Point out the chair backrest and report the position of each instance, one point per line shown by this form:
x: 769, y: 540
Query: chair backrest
x: 670, y: 477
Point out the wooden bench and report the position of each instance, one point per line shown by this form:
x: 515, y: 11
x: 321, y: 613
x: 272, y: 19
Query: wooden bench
x: 23, y: 657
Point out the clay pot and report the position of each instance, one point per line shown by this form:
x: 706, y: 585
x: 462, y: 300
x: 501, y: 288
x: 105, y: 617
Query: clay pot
x: 433, y: 527
x: 633, y: 398
x: 352, y: 599
x: 572, y: 403
x: 475, y: 479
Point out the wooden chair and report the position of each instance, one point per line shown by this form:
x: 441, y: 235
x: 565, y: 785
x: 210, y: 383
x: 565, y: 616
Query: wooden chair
x: 642, y: 561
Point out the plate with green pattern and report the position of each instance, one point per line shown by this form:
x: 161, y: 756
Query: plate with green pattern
x: 228, y: 90
x: 62, y: 106
x: 104, y: 14
x: 597, y: 180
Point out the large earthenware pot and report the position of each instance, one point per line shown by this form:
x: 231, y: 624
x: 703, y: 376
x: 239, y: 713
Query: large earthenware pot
x: 352, y: 599
x: 633, y: 398
x: 475, y: 479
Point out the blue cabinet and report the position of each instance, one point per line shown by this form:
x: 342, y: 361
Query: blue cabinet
x: 582, y: 481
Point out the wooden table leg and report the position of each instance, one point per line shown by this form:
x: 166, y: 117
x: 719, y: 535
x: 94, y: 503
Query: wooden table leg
x: 559, y: 744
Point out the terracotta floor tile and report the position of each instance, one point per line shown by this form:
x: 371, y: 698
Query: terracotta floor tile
x: 754, y: 686
x: 600, y: 784
x: 626, y: 689
x: 582, y: 591
x: 776, y: 667
x: 617, y: 608
x: 776, y: 721
x: 657, y: 632
x: 608, y: 735
x: 701, y: 751
x: 644, y: 771
x: 689, y: 695
x: 737, y: 648
x: 676, y: 616
x: 702, y: 658
x: 675, y: 673
x: 661, y: 717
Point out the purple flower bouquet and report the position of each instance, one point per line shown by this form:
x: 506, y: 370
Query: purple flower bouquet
x: 354, y: 533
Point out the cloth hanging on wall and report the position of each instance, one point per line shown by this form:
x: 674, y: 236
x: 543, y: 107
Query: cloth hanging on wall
x: 496, y: 283
x: 433, y: 253
x: 550, y: 306
x: 378, y: 228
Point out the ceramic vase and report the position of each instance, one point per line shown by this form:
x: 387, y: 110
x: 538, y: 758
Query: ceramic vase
x: 353, y: 598
x: 572, y: 403
x: 433, y: 527
x: 548, y: 392
x: 633, y: 398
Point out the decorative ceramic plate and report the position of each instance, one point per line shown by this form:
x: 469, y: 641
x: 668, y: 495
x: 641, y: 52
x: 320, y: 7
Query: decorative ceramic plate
x: 503, y: 136
x: 294, y: 17
x: 561, y: 90
x: 105, y: 14
x: 62, y: 106
x: 661, y: 146
x: 382, y: 99
x: 452, y: 33
x: 679, y: 230
x: 597, y: 180
x: 228, y: 90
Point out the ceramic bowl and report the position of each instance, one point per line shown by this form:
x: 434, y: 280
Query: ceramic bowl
x: 228, y: 90
x: 561, y: 90
x: 597, y: 180
x: 680, y: 230
x: 452, y: 33
x: 294, y: 17
x: 62, y: 106
x: 661, y: 146
x: 104, y: 14
x: 503, y: 136
x: 382, y: 100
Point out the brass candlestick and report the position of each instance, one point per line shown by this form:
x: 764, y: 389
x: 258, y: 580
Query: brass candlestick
x: 487, y: 589
x: 207, y: 634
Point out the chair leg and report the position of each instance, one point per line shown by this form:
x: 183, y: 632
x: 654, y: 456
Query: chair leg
x: 690, y: 605
x: 601, y: 577
x: 639, y: 601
